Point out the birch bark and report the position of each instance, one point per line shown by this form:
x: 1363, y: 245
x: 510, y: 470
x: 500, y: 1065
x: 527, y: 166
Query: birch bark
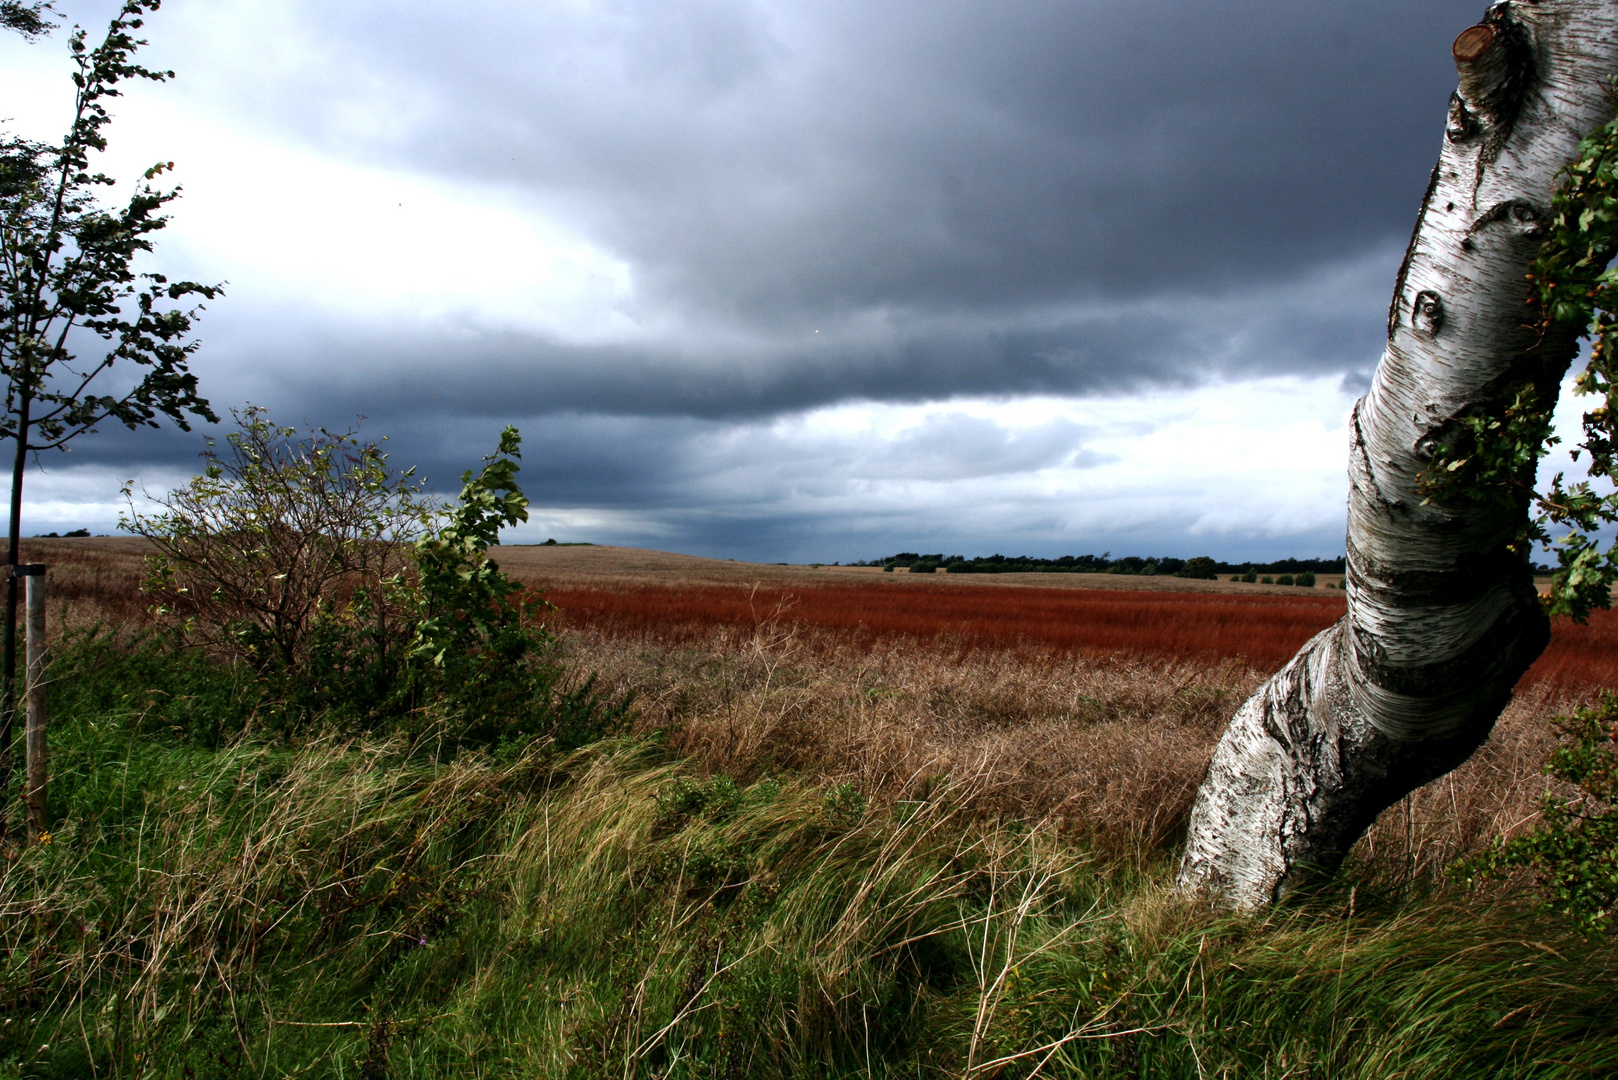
x: 1442, y: 616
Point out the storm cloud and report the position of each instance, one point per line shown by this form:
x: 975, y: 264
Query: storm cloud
x: 670, y: 239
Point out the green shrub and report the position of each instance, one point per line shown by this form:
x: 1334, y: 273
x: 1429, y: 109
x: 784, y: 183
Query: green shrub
x: 1573, y: 854
x: 356, y: 602
x: 1306, y: 579
x: 1284, y: 579
x: 1266, y: 580
x: 1250, y: 577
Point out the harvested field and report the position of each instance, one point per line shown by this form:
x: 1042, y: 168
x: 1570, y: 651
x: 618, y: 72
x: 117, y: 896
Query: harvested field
x: 595, y: 566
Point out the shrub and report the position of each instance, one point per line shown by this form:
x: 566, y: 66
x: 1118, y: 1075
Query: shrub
x: 279, y: 541
x: 1250, y: 577
x: 1284, y: 579
x: 1573, y: 854
x: 1306, y: 579
x: 357, y: 601
x: 1266, y: 580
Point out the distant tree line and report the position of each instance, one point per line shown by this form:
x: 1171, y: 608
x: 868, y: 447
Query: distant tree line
x: 1202, y: 566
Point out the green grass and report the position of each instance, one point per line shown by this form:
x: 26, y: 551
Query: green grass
x: 212, y: 904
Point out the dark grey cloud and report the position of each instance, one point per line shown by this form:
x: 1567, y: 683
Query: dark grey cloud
x: 778, y: 162
x: 962, y: 197
x: 412, y: 377
x: 829, y: 202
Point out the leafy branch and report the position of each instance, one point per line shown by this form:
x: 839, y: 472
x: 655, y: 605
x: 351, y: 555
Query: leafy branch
x: 1493, y: 458
x: 67, y: 267
x: 466, y: 601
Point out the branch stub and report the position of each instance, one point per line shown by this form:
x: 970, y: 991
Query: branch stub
x: 1473, y: 42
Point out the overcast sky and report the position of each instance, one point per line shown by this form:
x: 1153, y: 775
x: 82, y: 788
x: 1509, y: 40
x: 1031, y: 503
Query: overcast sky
x: 794, y: 279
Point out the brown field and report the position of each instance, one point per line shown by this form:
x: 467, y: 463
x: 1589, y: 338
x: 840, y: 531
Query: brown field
x: 626, y: 591
x: 621, y: 591
x: 1090, y: 702
x: 1262, y: 630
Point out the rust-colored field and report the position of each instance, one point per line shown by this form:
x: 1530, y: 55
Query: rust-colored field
x: 1051, y: 697
x: 622, y: 591
x: 1265, y: 630
x: 1261, y: 630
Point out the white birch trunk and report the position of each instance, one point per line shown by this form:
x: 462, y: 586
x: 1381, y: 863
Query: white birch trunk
x: 1442, y: 618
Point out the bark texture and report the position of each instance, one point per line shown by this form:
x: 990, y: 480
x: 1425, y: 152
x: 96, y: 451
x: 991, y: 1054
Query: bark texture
x: 1442, y: 617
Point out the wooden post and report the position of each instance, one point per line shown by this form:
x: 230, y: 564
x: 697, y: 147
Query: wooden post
x: 34, y: 770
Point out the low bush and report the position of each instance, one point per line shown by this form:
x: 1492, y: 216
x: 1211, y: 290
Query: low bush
x: 281, y: 541
x: 1306, y: 579
x: 1573, y: 853
x: 355, y: 602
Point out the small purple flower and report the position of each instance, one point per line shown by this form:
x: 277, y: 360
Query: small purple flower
x: 422, y: 942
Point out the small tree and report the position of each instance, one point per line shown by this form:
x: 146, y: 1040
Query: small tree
x: 467, y: 607
x: 72, y: 304
x: 1202, y: 567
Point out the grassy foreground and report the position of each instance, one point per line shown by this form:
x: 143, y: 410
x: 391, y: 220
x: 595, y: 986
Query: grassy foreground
x: 212, y: 904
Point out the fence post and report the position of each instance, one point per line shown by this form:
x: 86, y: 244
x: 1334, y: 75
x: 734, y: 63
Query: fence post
x: 34, y: 770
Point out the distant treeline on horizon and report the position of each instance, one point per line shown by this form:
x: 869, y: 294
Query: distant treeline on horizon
x: 1202, y: 566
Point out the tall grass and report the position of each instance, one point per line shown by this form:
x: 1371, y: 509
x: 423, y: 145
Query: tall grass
x: 361, y: 907
x: 819, y: 853
x: 1106, y: 751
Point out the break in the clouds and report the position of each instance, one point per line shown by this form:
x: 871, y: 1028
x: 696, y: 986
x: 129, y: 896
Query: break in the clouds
x: 790, y: 279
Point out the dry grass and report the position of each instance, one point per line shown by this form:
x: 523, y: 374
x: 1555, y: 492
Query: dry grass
x: 1110, y: 749
x: 853, y: 683
x: 92, y: 580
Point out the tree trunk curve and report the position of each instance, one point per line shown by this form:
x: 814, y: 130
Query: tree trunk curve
x: 1443, y: 618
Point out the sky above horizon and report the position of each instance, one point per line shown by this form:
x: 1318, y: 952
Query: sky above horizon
x: 789, y: 281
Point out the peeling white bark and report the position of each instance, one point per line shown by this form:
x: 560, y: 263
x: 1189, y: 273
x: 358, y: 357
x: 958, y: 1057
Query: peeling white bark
x: 1442, y: 618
